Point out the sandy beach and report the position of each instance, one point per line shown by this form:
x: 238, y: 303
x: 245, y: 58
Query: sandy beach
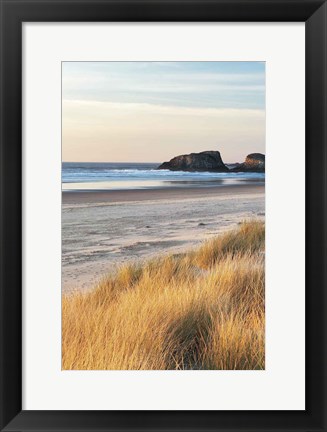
x: 103, y: 229
x: 163, y: 215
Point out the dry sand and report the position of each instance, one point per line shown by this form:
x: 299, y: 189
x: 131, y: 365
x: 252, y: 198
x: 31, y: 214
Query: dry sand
x: 101, y: 230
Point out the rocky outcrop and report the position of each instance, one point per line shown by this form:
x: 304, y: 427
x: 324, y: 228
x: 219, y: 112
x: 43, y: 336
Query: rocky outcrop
x: 254, y: 162
x: 204, y: 161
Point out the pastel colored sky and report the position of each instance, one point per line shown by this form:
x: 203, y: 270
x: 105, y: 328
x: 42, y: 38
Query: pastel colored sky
x: 153, y: 111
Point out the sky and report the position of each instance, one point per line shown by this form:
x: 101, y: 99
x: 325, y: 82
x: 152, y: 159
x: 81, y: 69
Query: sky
x: 153, y: 111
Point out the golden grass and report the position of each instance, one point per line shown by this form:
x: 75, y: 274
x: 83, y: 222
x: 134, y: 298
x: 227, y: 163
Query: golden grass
x: 199, y: 310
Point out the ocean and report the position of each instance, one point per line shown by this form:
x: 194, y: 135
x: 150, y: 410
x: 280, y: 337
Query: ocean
x: 88, y: 176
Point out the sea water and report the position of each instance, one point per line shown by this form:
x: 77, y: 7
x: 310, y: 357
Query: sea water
x: 87, y: 176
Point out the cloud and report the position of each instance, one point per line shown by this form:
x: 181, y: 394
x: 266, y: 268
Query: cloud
x: 166, y: 83
x: 146, y: 108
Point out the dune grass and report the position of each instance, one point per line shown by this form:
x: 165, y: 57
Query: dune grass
x: 200, y: 310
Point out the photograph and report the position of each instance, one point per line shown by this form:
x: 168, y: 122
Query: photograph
x: 163, y: 215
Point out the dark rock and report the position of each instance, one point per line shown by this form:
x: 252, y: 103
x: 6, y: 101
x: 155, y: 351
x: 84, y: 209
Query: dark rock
x: 254, y: 162
x: 204, y: 161
x: 231, y: 166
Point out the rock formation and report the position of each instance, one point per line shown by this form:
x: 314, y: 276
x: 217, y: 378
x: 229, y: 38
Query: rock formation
x: 204, y: 161
x: 254, y: 162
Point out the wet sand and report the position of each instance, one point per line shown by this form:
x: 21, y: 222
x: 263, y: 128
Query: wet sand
x: 116, y: 196
x: 104, y: 229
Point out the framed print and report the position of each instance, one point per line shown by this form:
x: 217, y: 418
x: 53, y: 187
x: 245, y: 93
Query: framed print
x: 163, y: 215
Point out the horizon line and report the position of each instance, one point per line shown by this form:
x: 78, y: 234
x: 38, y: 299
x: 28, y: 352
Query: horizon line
x: 135, y: 162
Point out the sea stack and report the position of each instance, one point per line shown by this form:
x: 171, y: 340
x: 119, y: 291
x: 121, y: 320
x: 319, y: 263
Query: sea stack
x: 204, y: 161
x: 254, y: 162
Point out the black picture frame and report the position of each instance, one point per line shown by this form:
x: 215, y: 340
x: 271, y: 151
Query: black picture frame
x: 13, y: 14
